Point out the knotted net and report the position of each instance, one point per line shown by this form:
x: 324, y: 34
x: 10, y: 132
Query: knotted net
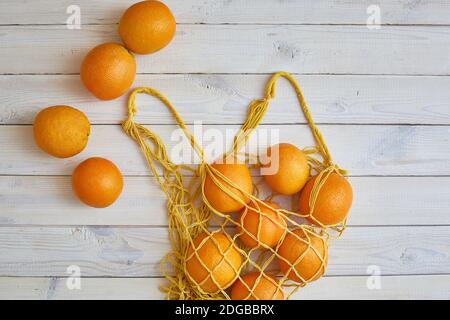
x: 206, y: 256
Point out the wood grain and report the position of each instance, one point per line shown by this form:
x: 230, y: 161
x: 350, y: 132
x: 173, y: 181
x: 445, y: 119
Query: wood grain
x: 398, y: 50
x: 327, y: 288
x: 224, y: 99
x: 365, y: 88
x: 364, y: 150
x: 36, y: 200
x: 235, y: 11
x: 136, y: 252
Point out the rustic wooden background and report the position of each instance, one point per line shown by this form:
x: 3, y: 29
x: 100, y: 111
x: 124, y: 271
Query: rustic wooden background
x: 380, y: 96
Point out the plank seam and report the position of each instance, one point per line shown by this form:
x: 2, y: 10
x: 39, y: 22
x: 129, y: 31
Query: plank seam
x: 263, y: 124
x: 242, y: 74
x: 431, y: 25
x: 142, y: 226
x: 161, y: 277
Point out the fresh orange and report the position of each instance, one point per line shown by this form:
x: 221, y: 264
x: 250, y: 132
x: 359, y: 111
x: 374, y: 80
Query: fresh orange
x: 221, y: 258
x: 333, y: 201
x: 147, y: 26
x: 236, y: 173
x: 272, y: 224
x: 108, y: 71
x: 61, y: 131
x: 310, y: 248
x: 97, y: 182
x: 290, y: 167
x: 262, y: 287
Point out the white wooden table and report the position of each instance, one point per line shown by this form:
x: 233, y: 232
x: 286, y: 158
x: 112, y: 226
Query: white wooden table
x: 380, y: 96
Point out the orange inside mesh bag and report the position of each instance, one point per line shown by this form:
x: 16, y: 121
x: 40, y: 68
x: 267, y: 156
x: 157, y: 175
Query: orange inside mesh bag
x: 218, y: 255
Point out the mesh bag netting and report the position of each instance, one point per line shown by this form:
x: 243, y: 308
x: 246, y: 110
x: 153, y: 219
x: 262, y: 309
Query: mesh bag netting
x: 206, y: 257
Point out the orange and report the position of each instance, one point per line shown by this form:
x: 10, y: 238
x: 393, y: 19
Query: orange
x: 220, y: 200
x: 266, y: 288
x: 333, y: 201
x: 272, y: 224
x: 108, y: 71
x: 97, y: 182
x: 221, y: 258
x: 61, y: 131
x: 291, y: 169
x: 147, y: 26
x: 310, y: 266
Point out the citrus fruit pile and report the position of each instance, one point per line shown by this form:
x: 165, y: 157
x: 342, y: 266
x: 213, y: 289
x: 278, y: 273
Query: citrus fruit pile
x: 107, y: 71
x: 296, y: 251
x: 229, y: 242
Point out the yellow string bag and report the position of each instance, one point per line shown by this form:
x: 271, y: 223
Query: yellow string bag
x: 206, y: 257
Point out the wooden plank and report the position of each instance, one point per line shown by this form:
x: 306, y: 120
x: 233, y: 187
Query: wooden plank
x: 364, y: 150
x: 322, y: 49
x: 136, y: 252
x: 327, y: 288
x: 36, y: 200
x: 235, y: 11
x: 224, y: 99
x: 91, y: 288
x: 391, y: 288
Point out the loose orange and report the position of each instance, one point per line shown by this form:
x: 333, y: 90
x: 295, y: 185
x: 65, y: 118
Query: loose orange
x: 262, y: 287
x: 220, y: 200
x: 293, y: 170
x: 310, y: 248
x: 61, y: 131
x: 147, y: 26
x: 108, y: 71
x: 97, y: 182
x: 216, y: 264
x: 270, y: 223
x: 333, y: 201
